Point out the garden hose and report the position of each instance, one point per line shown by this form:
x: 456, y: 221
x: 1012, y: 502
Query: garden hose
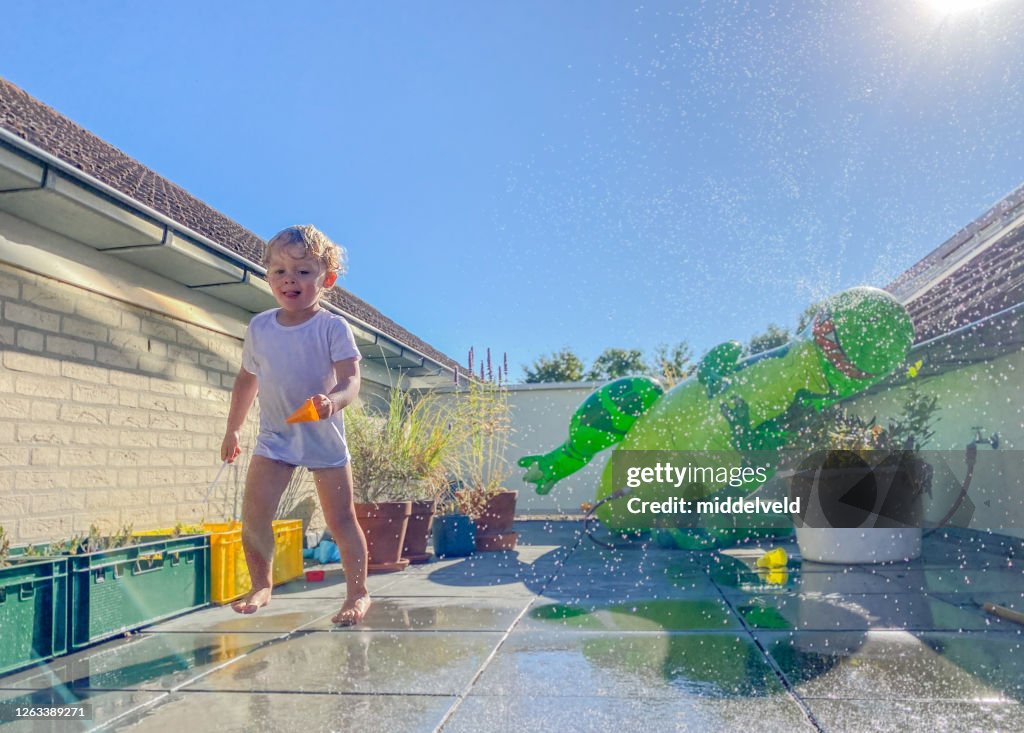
x: 971, y: 458
x: 588, y: 518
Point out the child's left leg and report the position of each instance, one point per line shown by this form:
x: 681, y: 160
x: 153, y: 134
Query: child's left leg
x: 334, y: 485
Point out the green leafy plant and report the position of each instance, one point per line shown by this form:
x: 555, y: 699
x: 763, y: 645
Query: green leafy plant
x: 5, y: 547
x: 403, y: 453
x: 850, y: 438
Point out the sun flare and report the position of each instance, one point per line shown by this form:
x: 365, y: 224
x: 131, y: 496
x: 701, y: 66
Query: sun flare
x: 954, y: 7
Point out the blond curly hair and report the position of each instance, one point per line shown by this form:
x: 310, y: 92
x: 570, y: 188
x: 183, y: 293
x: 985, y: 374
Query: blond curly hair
x: 316, y: 244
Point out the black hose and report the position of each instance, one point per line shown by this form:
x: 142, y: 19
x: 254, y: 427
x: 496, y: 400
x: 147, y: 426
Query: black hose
x: 971, y: 458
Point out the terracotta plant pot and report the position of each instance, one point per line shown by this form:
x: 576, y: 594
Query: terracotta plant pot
x: 418, y: 532
x: 496, y: 542
x: 494, y: 524
x: 384, y: 525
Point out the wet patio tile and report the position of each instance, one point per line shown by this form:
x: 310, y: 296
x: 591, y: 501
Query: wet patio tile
x: 899, y: 716
x: 854, y: 612
x: 145, y: 662
x: 973, y: 604
x: 229, y: 712
x: 435, y: 613
x: 105, y: 706
x: 421, y: 663
x: 915, y: 577
x: 584, y: 591
x: 676, y: 666
x: 332, y: 587
x: 900, y: 665
x: 598, y: 714
x: 693, y: 614
x: 478, y: 587
x: 283, y: 615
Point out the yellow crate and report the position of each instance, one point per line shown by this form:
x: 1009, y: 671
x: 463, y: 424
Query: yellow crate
x: 229, y: 573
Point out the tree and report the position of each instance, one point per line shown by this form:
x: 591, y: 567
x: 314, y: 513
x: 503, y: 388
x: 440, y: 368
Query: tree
x: 563, y: 366
x: 614, y: 363
x: 773, y: 336
x: 673, y: 364
x: 808, y: 315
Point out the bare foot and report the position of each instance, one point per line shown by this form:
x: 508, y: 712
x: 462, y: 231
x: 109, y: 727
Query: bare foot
x: 252, y: 602
x: 353, y: 610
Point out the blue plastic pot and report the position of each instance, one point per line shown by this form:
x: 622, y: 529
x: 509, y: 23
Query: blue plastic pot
x: 454, y: 535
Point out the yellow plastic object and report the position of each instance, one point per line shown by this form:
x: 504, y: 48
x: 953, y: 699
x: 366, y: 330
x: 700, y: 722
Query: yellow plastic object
x: 229, y: 574
x: 306, y: 413
x: 776, y: 558
x: 775, y: 576
x: 182, y: 530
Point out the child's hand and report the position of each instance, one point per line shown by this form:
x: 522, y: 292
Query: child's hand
x: 324, y: 405
x: 229, y: 449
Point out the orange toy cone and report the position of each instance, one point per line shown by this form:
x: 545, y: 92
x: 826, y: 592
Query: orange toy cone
x: 306, y: 413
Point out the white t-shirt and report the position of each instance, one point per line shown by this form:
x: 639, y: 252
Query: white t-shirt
x: 291, y: 364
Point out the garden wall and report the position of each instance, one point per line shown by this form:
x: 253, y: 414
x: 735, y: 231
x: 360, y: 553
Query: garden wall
x: 114, y: 387
x: 111, y: 414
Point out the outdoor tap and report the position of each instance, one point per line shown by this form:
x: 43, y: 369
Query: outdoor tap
x: 980, y: 439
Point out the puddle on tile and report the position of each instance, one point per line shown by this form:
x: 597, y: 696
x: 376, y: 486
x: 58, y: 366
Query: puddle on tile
x: 666, y: 665
x: 595, y: 714
x: 854, y: 612
x: 103, y: 706
x: 899, y: 716
x: 900, y: 665
x: 434, y: 613
x: 147, y: 661
x: 283, y: 615
x: 232, y: 712
x: 383, y: 662
x: 646, y: 615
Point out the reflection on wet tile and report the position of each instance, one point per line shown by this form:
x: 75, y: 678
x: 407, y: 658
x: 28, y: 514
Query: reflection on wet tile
x: 367, y: 662
x: 104, y: 707
x: 899, y: 716
x: 287, y: 713
x: 968, y: 549
x: 284, y: 614
x: 147, y: 662
x: 972, y: 604
x: 644, y: 582
x: 710, y: 614
x: 603, y: 714
x: 897, y: 665
x: 922, y: 579
x: 612, y: 637
x: 679, y: 665
x: 419, y: 613
x: 853, y: 612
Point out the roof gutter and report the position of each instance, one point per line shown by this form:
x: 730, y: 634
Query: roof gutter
x: 169, y: 224
x: 52, y: 160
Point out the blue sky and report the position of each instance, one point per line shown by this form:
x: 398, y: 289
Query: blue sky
x: 533, y: 175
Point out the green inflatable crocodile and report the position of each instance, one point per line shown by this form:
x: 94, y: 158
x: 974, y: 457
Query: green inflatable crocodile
x: 731, y: 406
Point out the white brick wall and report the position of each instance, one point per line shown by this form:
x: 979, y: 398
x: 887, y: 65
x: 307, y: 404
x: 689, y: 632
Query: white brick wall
x: 110, y: 414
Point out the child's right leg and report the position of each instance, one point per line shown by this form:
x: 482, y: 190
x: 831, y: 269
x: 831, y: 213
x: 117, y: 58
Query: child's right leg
x: 264, y: 484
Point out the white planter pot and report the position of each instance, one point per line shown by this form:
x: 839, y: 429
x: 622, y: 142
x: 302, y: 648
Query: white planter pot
x: 852, y: 546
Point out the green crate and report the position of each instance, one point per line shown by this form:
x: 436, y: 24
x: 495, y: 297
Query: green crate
x: 33, y: 612
x: 113, y: 591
